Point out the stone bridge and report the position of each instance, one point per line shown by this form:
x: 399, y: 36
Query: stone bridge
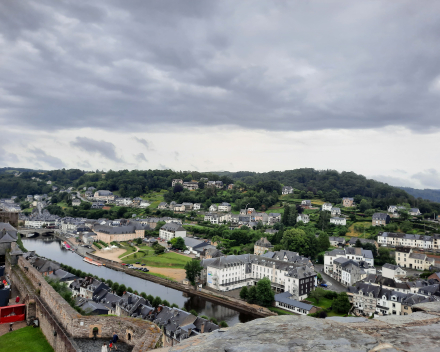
x: 25, y: 231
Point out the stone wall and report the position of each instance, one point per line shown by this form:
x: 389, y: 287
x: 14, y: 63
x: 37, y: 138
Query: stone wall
x: 61, y: 323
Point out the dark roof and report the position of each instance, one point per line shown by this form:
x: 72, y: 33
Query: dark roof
x: 285, y: 298
x: 380, y: 216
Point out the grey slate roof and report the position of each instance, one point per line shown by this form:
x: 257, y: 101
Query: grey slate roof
x: 285, y: 298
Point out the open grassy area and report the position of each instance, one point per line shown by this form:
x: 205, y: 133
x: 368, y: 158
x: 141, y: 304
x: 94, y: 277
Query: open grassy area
x: 155, y: 198
x: 128, y: 249
x: 165, y: 260
x: 352, y: 233
x: 325, y: 303
x: 162, y: 276
x: 280, y: 311
x: 27, y: 339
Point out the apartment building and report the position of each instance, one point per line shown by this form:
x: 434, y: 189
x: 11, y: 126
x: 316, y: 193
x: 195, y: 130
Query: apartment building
x: 171, y: 230
x: 406, y: 258
x: 394, y: 239
x: 354, y: 253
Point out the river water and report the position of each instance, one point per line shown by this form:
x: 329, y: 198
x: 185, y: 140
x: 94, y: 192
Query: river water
x: 51, y: 248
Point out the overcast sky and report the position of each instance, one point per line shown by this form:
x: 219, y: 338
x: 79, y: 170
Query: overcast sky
x: 223, y: 85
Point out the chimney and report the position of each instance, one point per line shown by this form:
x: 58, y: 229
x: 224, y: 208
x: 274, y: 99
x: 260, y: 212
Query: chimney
x: 202, y: 328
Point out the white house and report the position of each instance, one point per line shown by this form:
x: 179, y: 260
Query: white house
x: 172, y: 230
x: 144, y: 204
x: 327, y: 207
x: 355, y: 253
x: 213, y: 207
x: 197, y: 206
x: 415, y: 212
x: 335, y: 211
x: 306, y: 203
x: 393, y: 271
x: 338, y: 221
x: 224, y: 207
x: 287, y: 190
x: 303, y: 218
x: 76, y: 202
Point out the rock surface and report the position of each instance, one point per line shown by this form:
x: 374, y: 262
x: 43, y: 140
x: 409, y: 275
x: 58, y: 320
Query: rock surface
x: 417, y: 332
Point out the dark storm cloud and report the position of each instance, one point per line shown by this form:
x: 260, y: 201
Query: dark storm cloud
x: 40, y: 156
x: 102, y: 148
x: 275, y: 65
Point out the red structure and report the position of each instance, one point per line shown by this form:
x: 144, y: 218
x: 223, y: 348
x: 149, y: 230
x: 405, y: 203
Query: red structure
x: 11, y: 314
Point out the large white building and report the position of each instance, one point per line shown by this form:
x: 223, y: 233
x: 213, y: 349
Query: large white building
x: 287, y: 271
x: 287, y: 190
x: 104, y: 195
x: 392, y: 239
x: 171, y: 230
x: 327, y: 207
x: 303, y: 218
x: 224, y: 207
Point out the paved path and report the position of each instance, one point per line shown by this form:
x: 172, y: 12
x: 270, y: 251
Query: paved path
x: 4, y: 328
x: 335, y: 285
x: 137, y: 250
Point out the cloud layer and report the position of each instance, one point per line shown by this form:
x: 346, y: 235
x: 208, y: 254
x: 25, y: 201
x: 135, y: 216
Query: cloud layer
x: 273, y: 65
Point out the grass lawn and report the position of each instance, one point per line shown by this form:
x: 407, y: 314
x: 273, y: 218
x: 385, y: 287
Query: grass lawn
x: 165, y: 260
x: 280, y: 311
x: 155, y: 198
x: 325, y: 303
x: 162, y: 276
x: 275, y: 210
x: 352, y: 233
x: 26, y: 339
x: 128, y: 249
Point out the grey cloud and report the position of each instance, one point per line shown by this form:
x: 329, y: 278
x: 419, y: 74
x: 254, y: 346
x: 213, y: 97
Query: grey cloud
x: 176, y: 155
x: 428, y: 178
x: 140, y: 157
x: 145, y: 143
x: 164, y: 167
x: 376, y: 64
x: 6, y: 158
x: 49, y: 160
x: 102, y: 148
x: 85, y: 165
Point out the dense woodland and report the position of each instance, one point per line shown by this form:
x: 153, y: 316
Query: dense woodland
x: 260, y: 190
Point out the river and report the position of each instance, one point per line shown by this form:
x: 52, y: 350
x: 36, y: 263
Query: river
x: 51, y: 248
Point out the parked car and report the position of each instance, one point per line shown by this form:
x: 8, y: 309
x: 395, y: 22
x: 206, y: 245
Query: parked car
x: 146, y: 270
x: 142, y: 264
x: 138, y: 262
x: 323, y: 285
x: 186, y: 252
x: 123, y: 264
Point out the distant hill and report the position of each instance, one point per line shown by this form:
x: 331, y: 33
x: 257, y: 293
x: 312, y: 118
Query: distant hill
x: 430, y: 194
x: 6, y: 170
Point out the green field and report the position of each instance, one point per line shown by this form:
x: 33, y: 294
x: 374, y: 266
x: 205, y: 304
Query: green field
x: 156, y: 198
x: 162, y: 276
x: 128, y: 249
x: 166, y: 260
x: 325, y: 303
x: 27, y: 339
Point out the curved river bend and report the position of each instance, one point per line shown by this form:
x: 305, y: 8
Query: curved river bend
x: 52, y: 249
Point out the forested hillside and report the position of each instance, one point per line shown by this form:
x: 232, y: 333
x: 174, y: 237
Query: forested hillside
x: 258, y: 189
x: 430, y: 194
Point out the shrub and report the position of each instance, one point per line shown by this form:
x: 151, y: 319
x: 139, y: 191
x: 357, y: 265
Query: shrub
x: 214, y: 320
x: 223, y: 324
x: 166, y: 303
x: 193, y: 312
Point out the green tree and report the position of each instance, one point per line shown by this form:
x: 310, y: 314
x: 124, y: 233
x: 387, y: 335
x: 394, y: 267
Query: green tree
x: 109, y: 283
x: 403, y: 214
x: 178, y: 243
x: 193, y: 312
x: 129, y: 289
x: 341, y: 304
x: 121, y: 289
x: 156, y: 302
x: 144, y: 295
x: 150, y: 298
x: 244, y: 292
x: 252, y: 294
x: 406, y: 226
x: 323, y: 241
x: 358, y: 243
x: 159, y: 225
x: 166, y: 303
x: 317, y: 294
x: 323, y: 220
x: 223, y: 324
x: 364, y: 205
x: 265, y: 295
x: 193, y: 270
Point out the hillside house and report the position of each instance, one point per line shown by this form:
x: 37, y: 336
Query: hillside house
x: 176, y: 181
x: 327, y: 207
x: 335, y: 212
x: 287, y: 190
x: 380, y: 219
x: 338, y: 221
x: 348, y: 202
x: 406, y: 258
x: 303, y: 218
x: 306, y: 204
x: 191, y: 186
x: 262, y: 246
x: 172, y: 230
x: 224, y: 207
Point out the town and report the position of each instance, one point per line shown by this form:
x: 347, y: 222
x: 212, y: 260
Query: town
x: 298, y: 256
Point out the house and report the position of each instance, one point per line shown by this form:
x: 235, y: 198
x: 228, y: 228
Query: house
x: 176, y: 181
x: 415, y: 212
x: 188, y: 206
x: 435, y: 277
x: 380, y: 219
x: 76, y: 202
x: 353, y: 241
x: 392, y: 271
x: 357, y: 254
x: 337, y: 241
x: 306, y: 203
x: 303, y: 218
x: 274, y: 218
x: 8, y: 235
x: 91, y: 189
x: 406, y: 258
x: 230, y: 186
x: 97, y: 205
x: 287, y: 190
x: 217, y: 184
x: 89, y: 238
x: 62, y: 276
x: 348, y: 202
x: 262, y: 246
x: 196, y: 246
x: 212, y: 208
x: 284, y: 301
x: 88, y: 194
x: 90, y: 307
x: 29, y: 198
x: 103, y: 195
x: 172, y: 230
x: 125, y: 202
x: 224, y: 207
x: 348, y: 271
x: 338, y: 221
x: 44, y: 267
x: 392, y: 239
x: 192, y: 186
x: 327, y: 207
x: 179, y: 208
x: 197, y: 206
x: 335, y: 212
x: 144, y: 204
x: 162, y: 206
x: 394, y: 209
